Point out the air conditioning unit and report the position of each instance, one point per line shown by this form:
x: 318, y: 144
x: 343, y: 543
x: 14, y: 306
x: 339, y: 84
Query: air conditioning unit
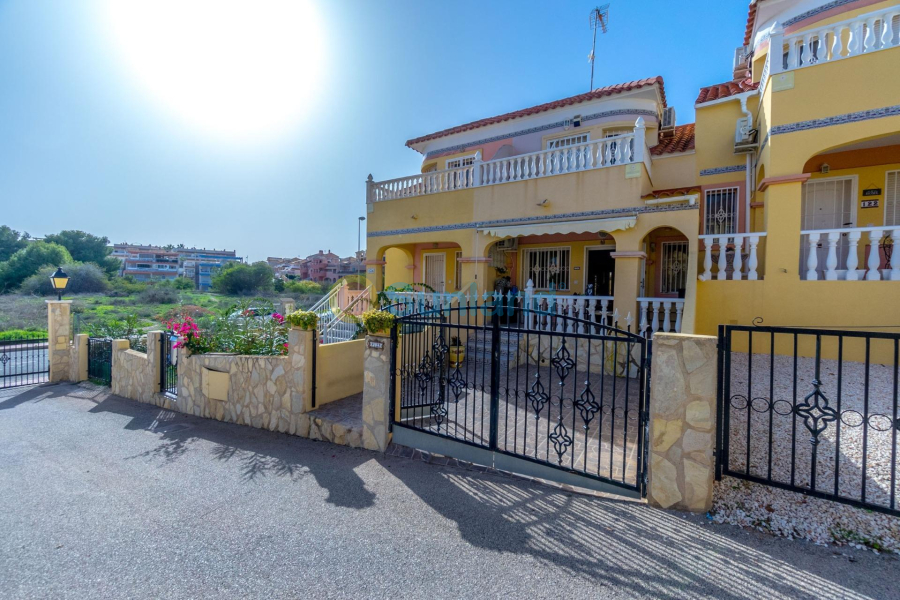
x: 667, y: 125
x: 508, y: 244
x: 745, y: 137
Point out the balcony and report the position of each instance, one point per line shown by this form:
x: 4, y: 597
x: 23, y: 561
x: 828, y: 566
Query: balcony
x: 839, y: 254
x: 597, y: 154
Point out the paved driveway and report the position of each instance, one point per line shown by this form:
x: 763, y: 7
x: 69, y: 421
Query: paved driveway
x: 107, y: 498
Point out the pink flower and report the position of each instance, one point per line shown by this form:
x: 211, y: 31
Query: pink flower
x: 278, y: 317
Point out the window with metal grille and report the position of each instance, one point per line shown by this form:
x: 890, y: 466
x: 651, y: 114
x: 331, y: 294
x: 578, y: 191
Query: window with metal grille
x: 721, y: 211
x: 568, y: 141
x: 892, y: 199
x: 465, y: 161
x: 548, y: 268
x: 457, y: 276
x: 673, y: 266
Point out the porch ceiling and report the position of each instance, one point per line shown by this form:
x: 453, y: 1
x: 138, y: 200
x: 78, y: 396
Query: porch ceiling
x: 583, y: 226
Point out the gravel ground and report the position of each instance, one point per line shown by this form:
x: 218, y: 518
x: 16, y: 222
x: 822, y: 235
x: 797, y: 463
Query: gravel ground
x: 108, y: 498
x: 855, y: 457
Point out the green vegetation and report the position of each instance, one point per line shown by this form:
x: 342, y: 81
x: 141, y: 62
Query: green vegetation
x: 303, y: 319
x: 377, y: 321
x: 26, y: 262
x: 239, y: 279
x: 84, y: 278
x: 250, y: 327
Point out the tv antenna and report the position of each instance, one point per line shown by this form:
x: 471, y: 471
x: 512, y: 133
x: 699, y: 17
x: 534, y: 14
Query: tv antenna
x: 599, y: 19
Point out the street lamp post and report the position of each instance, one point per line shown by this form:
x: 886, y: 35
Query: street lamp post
x: 358, y: 249
x: 59, y: 281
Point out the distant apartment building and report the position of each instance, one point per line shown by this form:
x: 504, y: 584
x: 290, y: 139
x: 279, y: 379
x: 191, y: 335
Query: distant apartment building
x: 148, y: 263
x: 322, y: 267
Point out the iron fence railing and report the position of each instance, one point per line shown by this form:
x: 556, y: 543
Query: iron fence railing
x: 811, y: 410
x: 24, y: 361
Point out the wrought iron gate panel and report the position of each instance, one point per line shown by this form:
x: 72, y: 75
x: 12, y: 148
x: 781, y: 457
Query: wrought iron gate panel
x: 813, y: 411
x: 572, y: 397
x: 100, y: 360
x: 24, y: 361
x: 168, y: 364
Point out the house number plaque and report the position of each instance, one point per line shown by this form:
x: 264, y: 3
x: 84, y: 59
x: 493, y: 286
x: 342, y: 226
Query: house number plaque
x: 375, y: 344
x: 869, y: 204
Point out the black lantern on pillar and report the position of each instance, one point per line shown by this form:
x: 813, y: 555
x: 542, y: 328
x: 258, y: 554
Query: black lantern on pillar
x: 59, y: 280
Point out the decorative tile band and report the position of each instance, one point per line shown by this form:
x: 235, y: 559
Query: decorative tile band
x: 863, y: 115
x: 557, y: 124
x: 816, y: 11
x: 720, y: 170
x: 632, y: 211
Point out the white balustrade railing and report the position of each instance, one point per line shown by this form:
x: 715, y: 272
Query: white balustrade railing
x: 876, y: 30
x: 744, y: 252
x: 545, y: 308
x: 660, y: 314
x: 622, y: 149
x: 838, y: 254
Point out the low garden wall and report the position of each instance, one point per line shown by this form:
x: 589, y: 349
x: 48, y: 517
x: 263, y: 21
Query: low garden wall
x: 339, y: 370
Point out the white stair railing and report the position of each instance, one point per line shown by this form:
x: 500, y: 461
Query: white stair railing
x: 342, y: 327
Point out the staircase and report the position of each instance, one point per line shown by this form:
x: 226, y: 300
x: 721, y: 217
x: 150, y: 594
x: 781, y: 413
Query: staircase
x: 480, y: 350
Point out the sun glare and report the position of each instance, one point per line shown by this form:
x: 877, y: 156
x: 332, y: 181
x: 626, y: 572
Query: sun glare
x: 233, y: 69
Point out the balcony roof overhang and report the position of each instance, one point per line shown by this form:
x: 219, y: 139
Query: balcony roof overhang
x: 582, y: 226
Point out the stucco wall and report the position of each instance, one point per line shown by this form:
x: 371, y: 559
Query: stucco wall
x: 339, y: 371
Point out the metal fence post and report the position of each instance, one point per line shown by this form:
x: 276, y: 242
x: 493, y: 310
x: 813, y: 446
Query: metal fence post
x: 495, y: 374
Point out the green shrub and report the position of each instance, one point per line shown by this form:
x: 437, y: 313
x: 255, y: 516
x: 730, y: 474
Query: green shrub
x: 84, y: 278
x: 303, y: 319
x: 376, y: 321
x: 158, y: 294
x: 21, y: 334
x: 29, y: 260
x: 243, y: 279
x: 303, y: 287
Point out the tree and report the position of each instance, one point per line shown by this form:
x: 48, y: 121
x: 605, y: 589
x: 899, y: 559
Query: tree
x: 242, y: 279
x: 85, y: 247
x: 10, y: 242
x: 28, y: 261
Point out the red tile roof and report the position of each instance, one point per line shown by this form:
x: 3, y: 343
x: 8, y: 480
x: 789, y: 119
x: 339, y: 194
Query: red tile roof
x: 681, y: 141
x: 724, y: 90
x: 598, y: 93
x: 751, y: 20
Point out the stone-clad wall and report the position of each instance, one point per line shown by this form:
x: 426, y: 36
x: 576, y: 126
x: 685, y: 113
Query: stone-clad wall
x: 682, y: 422
x: 78, y: 359
x: 58, y: 332
x: 135, y: 375
x: 376, y: 393
x: 268, y: 392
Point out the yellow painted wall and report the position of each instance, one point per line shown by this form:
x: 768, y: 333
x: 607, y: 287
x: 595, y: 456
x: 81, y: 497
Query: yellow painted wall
x: 715, y: 139
x: 867, y: 177
x: 339, y: 370
x: 676, y: 171
x: 395, y: 271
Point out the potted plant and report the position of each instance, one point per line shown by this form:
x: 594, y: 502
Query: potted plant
x: 378, y: 322
x: 303, y: 319
x: 457, y: 352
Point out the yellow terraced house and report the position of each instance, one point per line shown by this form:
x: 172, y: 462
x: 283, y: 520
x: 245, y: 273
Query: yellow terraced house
x: 781, y: 203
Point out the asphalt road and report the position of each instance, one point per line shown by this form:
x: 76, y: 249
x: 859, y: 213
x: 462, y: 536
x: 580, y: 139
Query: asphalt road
x: 107, y: 498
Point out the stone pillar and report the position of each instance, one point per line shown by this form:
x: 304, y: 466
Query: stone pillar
x: 120, y: 380
x: 682, y: 422
x: 79, y: 360
x: 154, y: 339
x: 300, y: 349
x: 58, y: 329
x: 376, y: 393
x: 287, y: 305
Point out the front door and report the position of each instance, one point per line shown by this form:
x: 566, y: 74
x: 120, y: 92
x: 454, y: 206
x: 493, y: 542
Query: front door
x: 434, y: 271
x: 601, y: 273
x: 827, y: 204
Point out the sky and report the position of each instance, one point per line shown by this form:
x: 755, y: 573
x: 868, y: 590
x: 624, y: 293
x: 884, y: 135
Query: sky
x: 172, y: 122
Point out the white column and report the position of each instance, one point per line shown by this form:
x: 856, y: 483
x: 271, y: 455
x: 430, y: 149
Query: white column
x: 738, y: 263
x: 529, y: 304
x: 752, y: 260
x: 837, y: 44
x: 707, y: 260
x: 874, y: 256
x: 642, y: 324
x: 887, y: 29
x: 723, y: 258
x: 476, y: 170
x: 559, y: 313
x: 654, y: 324
x: 852, y: 257
x: 582, y: 315
x: 667, y: 306
x: 812, y: 261
x: 640, y: 130
x: 832, y: 261
x: 776, y: 49
x: 870, y: 34
x: 679, y: 308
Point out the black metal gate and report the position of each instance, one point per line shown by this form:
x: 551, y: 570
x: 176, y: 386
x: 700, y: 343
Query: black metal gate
x: 24, y: 361
x: 168, y: 364
x: 813, y: 411
x: 549, y: 394
x: 100, y: 360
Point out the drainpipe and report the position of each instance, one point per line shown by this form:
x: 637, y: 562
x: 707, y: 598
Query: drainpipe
x: 748, y: 172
